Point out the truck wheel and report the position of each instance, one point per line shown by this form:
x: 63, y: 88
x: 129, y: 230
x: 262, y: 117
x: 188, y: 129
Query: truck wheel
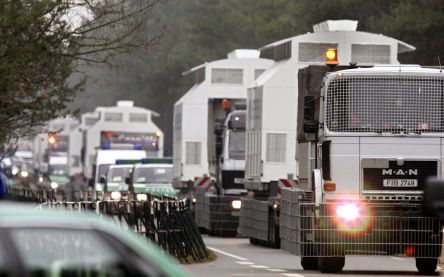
x: 426, y: 265
x: 310, y: 263
x: 331, y: 264
x: 274, y: 241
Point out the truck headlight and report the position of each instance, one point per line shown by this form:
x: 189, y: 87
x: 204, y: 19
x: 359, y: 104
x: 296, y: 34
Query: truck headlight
x: 14, y: 170
x: 236, y: 204
x: 348, y: 212
x: 24, y: 174
x: 115, y: 195
x: 142, y: 197
x: 54, y: 185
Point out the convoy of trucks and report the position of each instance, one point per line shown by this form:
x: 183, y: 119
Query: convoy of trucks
x: 79, y: 153
x: 323, y: 151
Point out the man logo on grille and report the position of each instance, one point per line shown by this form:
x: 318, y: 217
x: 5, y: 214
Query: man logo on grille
x: 400, y: 172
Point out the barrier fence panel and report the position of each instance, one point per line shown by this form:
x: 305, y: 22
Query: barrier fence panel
x: 165, y: 221
x: 377, y: 228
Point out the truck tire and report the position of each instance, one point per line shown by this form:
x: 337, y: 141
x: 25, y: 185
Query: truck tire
x: 426, y: 265
x: 310, y: 263
x: 274, y: 241
x: 331, y: 264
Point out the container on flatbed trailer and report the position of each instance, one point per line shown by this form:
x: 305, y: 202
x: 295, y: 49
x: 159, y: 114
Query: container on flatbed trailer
x: 208, y: 151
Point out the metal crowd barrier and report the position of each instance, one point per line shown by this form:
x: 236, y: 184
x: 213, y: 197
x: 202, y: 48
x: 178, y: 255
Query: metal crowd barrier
x: 254, y: 220
x: 166, y: 221
x: 380, y: 229
x: 215, y: 214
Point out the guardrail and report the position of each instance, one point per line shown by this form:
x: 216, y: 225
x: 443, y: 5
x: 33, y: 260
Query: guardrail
x: 166, y: 221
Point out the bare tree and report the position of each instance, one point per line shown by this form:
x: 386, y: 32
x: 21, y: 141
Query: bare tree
x: 42, y: 43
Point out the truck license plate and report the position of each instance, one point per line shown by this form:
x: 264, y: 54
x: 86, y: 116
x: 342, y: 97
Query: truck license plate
x: 400, y: 183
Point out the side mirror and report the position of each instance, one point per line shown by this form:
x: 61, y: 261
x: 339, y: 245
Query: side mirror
x: 433, y: 202
x: 311, y: 127
x: 218, y: 128
x: 310, y: 124
x: 218, y: 132
x: 91, y: 183
x: 128, y: 180
x: 309, y: 107
x: 102, y: 180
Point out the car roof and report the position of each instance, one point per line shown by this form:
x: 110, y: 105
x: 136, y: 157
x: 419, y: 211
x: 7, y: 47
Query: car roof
x: 153, y: 165
x: 121, y: 166
x: 27, y: 216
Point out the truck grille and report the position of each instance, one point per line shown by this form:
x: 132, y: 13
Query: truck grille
x: 409, y: 177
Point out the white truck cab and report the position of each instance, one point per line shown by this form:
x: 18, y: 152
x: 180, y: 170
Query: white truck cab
x: 375, y: 136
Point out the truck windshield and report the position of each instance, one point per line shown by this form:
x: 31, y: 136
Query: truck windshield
x: 118, y: 174
x: 159, y: 175
x: 236, y: 146
x: 385, y: 103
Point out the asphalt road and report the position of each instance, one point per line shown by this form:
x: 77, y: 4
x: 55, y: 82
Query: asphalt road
x: 237, y: 257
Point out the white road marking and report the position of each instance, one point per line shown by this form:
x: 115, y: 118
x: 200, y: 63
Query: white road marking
x: 258, y: 266
x: 244, y: 263
x: 293, y: 275
x: 398, y: 258
x: 227, y: 254
x: 276, y: 270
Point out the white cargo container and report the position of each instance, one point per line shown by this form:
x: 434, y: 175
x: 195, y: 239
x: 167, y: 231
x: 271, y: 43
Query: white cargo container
x: 57, y: 141
x: 120, y: 124
x: 227, y: 78
x: 271, y: 151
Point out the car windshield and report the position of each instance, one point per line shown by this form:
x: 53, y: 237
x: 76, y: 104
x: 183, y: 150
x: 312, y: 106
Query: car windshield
x: 118, y: 174
x: 66, y: 252
x: 58, y: 169
x: 103, y: 170
x: 236, y: 147
x: 163, y: 175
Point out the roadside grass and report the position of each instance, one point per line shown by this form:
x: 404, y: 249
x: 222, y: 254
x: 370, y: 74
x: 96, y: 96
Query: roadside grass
x: 211, y: 257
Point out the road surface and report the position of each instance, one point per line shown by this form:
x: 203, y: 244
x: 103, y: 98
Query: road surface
x: 237, y: 257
